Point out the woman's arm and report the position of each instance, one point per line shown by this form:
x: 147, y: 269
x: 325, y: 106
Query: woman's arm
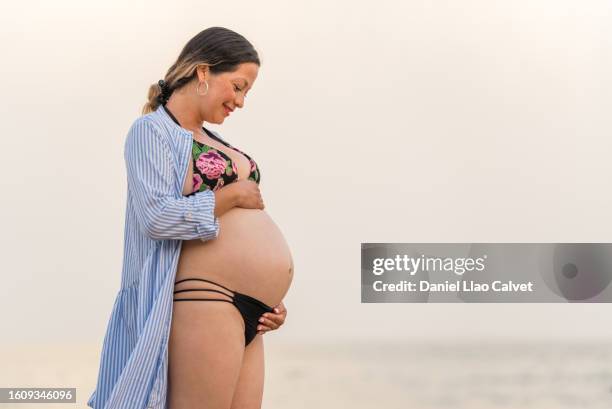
x: 226, y: 198
x: 151, y: 182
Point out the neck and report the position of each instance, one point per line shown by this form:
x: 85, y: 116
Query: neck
x: 184, y: 111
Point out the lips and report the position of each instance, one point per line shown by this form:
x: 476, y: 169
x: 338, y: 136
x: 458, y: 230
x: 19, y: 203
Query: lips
x: 227, y: 110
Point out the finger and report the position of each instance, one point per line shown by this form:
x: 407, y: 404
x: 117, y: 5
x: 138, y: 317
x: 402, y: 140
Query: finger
x: 278, y: 319
x: 269, y: 322
x: 263, y: 328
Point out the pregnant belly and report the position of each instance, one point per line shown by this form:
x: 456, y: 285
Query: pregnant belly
x: 250, y: 256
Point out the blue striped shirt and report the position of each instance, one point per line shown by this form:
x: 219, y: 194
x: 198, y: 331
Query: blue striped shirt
x: 134, y: 359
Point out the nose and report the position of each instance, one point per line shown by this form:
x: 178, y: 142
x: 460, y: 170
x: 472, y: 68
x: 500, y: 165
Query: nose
x: 239, y: 101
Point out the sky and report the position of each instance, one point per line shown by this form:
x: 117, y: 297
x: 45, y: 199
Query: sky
x: 387, y: 121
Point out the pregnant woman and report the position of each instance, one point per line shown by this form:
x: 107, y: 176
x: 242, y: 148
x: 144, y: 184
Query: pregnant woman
x: 205, y: 267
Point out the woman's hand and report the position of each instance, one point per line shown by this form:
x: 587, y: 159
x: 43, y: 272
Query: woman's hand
x: 249, y: 195
x: 272, y: 320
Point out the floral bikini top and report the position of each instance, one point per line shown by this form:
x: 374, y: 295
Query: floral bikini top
x: 212, y: 168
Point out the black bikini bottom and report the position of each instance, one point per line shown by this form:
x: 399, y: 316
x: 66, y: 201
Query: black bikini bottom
x: 250, y: 308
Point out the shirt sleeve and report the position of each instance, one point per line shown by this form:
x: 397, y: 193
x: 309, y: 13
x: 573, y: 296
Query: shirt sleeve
x: 151, y: 184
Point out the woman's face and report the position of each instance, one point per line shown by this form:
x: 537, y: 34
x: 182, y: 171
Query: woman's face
x: 226, y: 91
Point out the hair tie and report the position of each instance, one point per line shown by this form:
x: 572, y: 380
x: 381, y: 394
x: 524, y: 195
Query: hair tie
x: 165, y: 92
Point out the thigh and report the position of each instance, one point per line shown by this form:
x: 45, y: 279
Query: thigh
x: 206, y: 348
x: 249, y: 390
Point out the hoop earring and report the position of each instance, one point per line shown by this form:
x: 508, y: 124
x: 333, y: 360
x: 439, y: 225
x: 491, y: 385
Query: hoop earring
x: 198, y: 88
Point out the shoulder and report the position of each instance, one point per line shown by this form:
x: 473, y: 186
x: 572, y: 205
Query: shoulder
x: 146, y: 135
x: 152, y: 128
x: 146, y: 125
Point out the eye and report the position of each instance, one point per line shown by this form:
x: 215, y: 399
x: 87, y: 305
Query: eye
x: 236, y: 88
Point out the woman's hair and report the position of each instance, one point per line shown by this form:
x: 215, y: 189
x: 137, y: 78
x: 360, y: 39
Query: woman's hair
x: 221, y: 49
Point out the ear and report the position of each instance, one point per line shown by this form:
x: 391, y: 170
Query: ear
x: 203, y: 72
